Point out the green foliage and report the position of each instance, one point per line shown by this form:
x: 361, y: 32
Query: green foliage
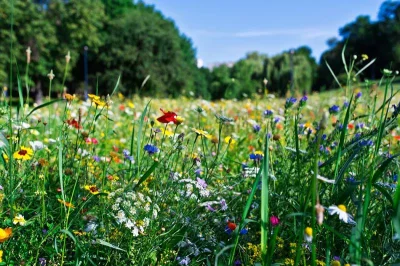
x: 153, y: 46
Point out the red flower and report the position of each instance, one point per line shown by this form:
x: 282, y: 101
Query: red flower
x: 232, y: 226
x: 167, y: 117
x: 74, y: 123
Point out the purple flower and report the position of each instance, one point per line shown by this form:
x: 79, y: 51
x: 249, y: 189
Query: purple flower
x: 358, y: 95
x: 303, y: 100
x: 289, y: 102
x: 359, y: 125
x: 42, y: 261
x: 238, y: 263
x: 210, y: 208
x: 366, y: 143
x: 334, y: 109
x: 336, y: 258
x: 201, y: 183
x: 224, y: 206
x: 127, y: 156
x: 345, y: 104
x: 268, y: 112
x: 256, y: 127
x: 351, y: 180
x: 276, y: 120
x: 254, y: 156
x: 96, y: 158
x: 244, y: 231
x: 395, y: 178
x: 151, y: 149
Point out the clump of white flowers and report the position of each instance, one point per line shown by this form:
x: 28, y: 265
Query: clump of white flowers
x: 133, y: 209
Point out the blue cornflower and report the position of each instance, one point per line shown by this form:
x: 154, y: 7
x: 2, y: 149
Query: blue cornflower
x: 151, y: 149
x: 244, y: 231
x: 366, y: 143
x: 358, y: 95
x: 289, y: 102
x: 127, y: 156
x: 238, y: 263
x: 256, y: 156
x: 334, y: 109
x: 345, y: 104
x: 395, y: 178
x: 276, y: 120
x: 256, y: 128
x: 303, y: 100
x: 323, y: 137
x: 359, y: 125
x: 268, y: 112
x: 351, y: 180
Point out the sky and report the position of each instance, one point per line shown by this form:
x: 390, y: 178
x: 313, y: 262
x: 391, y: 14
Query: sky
x: 226, y: 30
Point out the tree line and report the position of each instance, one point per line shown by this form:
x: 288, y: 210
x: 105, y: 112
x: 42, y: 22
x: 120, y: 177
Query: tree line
x: 135, y: 41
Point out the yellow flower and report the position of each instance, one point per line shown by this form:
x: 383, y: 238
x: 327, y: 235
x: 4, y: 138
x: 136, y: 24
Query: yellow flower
x: 5, y: 234
x: 69, y: 97
x: 1, y: 255
x: 335, y: 263
x: 167, y: 133
x: 79, y: 233
x: 99, y: 102
x: 229, y: 140
x: 5, y: 157
x: 179, y: 120
x: 24, y: 153
x: 93, y: 97
x: 19, y: 219
x: 364, y: 57
x: 92, y: 189
x: 308, y: 234
x: 67, y: 204
x: 202, y: 133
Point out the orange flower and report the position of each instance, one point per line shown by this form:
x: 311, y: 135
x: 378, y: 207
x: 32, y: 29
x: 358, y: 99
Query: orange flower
x: 350, y: 126
x: 68, y: 204
x: 279, y: 126
x: 5, y: 234
x: 397, y: 137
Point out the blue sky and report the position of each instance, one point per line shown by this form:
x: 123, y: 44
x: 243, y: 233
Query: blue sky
x: 225, y: 30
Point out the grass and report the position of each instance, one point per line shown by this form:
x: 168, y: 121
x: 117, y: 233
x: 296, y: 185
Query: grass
x: 111, y: 182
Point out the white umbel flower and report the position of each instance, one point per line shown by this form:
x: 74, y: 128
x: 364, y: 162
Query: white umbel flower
x: 341, y: 211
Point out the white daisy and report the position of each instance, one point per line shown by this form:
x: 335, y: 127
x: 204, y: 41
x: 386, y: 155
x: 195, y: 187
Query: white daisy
x: 341, y: 211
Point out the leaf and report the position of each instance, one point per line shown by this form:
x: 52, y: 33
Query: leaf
x: 116, y: 85
x: 147, y: 174
x: 384, y: 192
x: 379, y: 172
x: 365, y: 67
x: 333, y: 74
x: 43, y: 105
x: 105, y: 243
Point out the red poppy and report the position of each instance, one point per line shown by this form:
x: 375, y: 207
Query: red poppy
x: 74, y: 123
x: 167, y: 117
x: 231, y: 226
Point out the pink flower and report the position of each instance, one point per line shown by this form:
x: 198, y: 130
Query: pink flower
x: 91, y: 141
x: 274, y: 220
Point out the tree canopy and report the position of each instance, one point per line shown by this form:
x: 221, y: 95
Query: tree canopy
x: 135, y: 41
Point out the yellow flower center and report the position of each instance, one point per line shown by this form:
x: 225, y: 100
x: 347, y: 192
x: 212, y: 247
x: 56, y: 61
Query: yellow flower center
x: 308, y: 231
x: 342, y: 207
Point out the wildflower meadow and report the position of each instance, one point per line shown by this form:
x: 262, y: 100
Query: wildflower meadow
x: 116, y: 180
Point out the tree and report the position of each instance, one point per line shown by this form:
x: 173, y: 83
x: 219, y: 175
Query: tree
x: 141, y: 43
x: 30, y: 29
